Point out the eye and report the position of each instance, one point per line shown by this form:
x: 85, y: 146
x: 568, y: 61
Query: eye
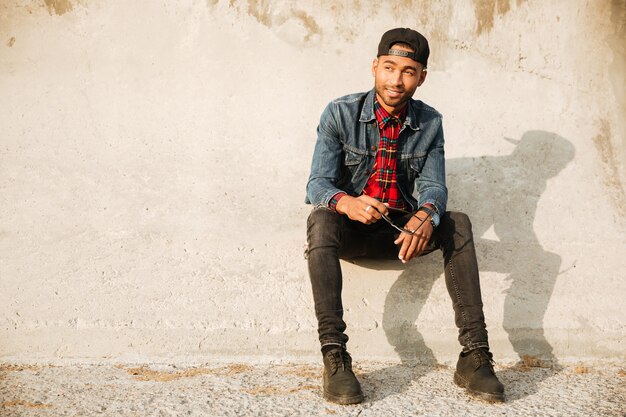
x: 410, y: 73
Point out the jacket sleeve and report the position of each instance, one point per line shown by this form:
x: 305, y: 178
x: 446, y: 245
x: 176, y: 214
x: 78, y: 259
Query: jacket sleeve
x: 430, y: 185
x: 327, y: 161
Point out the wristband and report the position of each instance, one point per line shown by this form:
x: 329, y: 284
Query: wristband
x: 429, y: 213
x: 427, y: 210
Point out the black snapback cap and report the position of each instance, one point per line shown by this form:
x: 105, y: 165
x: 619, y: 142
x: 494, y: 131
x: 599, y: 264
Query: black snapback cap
x: 409, y: 36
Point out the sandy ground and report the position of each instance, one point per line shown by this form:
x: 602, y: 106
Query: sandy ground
x: 293, y: 389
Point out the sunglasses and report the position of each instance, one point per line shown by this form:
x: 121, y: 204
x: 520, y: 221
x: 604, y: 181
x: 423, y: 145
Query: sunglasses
x: 400, y: 228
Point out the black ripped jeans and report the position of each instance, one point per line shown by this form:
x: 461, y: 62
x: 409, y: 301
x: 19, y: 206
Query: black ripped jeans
x: 331, y: 236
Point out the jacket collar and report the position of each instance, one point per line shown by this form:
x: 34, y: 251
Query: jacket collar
x: 367, y: 113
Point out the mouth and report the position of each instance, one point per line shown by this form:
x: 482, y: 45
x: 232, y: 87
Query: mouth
x: 394, y: 93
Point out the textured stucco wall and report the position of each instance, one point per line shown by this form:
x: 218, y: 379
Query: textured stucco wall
x: 153, y: 158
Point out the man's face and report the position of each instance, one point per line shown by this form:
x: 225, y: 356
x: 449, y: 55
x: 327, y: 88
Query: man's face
x: 396, y: 78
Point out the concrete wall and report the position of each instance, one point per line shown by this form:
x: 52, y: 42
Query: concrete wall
x: 153, y: 159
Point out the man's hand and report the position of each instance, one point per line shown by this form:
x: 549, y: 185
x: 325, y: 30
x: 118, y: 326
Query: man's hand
x: 412, y: 246
x: 363, y: 208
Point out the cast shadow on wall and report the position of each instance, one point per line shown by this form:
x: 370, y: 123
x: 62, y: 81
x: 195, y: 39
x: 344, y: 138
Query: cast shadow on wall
x: 499, y: 192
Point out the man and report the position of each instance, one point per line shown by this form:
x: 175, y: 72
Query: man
x: 378, y: 186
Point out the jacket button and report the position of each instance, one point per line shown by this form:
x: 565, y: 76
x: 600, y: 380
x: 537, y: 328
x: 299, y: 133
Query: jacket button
x: 373, y: 148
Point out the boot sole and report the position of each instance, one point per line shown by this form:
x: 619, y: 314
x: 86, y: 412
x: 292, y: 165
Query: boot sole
x: 486, y: 396
x: 343, y: 399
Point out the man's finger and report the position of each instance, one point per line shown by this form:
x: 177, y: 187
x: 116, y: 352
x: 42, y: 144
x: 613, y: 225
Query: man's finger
x: 375, y: 204
x: 371, y: 214
x: 375, y: 213
x: 412, y: 248
x: 372, y: 211
x: 400, y: 238
x: 422, y: 245
x: 406, y: 242
x: 381, y: 208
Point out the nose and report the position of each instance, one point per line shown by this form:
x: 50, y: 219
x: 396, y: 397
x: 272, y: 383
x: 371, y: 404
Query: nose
x: 396, y: 78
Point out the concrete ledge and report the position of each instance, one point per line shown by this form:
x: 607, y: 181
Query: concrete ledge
x: 58, y: 345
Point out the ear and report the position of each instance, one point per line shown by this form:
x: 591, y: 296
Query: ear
x: 422, y: 77
x: 374, y: 65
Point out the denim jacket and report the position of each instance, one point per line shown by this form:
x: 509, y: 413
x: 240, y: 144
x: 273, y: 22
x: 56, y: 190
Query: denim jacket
x: 345, y: 153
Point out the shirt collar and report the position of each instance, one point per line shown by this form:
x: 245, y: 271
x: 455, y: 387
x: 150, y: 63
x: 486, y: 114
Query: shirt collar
x: 367, y: 112
x: 383, y: 117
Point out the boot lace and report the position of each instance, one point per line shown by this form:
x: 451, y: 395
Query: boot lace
x: 484, y: 357
x: 340, y: 359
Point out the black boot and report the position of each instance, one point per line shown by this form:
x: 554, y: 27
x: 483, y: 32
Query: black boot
x: 474, y: 372
x: 340, y: 383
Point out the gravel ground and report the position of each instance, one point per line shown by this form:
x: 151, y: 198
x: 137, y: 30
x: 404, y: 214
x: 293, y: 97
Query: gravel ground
x: 245, y: 389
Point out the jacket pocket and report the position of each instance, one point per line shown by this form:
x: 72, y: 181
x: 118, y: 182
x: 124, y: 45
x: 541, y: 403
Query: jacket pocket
x: 352, y: 158
x: 354, y: 169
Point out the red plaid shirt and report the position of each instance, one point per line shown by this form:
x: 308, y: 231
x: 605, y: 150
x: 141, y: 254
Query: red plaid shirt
x: 382, y: 184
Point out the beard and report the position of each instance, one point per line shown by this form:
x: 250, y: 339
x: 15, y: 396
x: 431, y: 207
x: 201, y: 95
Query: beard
x: 391, y: 100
